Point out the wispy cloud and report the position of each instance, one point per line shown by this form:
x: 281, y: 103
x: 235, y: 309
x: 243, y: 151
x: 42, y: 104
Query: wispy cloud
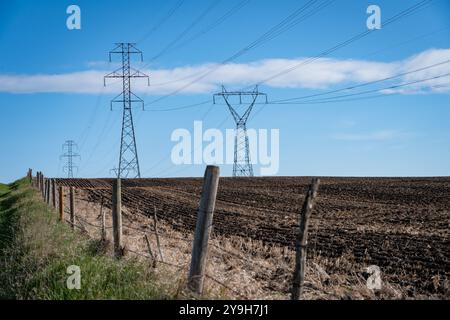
x: 323, y: 73
x: 381, y: 135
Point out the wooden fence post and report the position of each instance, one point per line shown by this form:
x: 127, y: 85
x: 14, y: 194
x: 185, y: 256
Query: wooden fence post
x: 72, y: 207
x: 155, y: 223
x: 203, y: 229
x: 54, y: 193
x: 42, y: 185
x: 44, y: 189
x: 302, y: 240
x: 38, y: 176
x: 117, y: 218
x: 47, y: 191
x: 102, y: 214
x: 36, y: 180
x: 61, y: 203
x: 152, y: 256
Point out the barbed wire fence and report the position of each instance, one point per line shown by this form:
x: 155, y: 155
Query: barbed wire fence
x: 91, y: 211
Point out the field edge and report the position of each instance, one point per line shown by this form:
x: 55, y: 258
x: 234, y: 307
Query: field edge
x: 36, y: 251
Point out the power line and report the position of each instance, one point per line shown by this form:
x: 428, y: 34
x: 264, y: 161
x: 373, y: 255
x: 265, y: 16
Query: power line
x: 339, y: 98
x: 85, y: 133
x: 106, y: 128
x: 273, y: 32
x: 345, y: 43
x: 333, y: 91
x: 109, y: 154
x: 180, y: 107
x: 405, y: 12
x: 373, y: 96
x: 205, y: 30
x: 185, y: 31
x: 402, y: 14
x: 362, y: 84
x: 100, y: 137
x: 163, y: 20
x: 409, y: 11
x: 158, y: 174
x: 219, y: 126
x: 415, y: 38
x: 330, y: 99
x: 215, y: 24
x: 261, y: 39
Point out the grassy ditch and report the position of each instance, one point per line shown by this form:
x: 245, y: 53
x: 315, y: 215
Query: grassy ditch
x: 36, y: 251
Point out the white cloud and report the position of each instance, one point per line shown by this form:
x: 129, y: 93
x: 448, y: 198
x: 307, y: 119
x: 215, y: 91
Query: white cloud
x: 424, y: 59
x: 322, y: 73
x: 381, y: 135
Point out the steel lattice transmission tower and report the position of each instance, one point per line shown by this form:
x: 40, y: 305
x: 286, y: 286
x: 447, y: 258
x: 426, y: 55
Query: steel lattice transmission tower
x: 242, y: 163
x: 68, y: 148
x: 128, y: 156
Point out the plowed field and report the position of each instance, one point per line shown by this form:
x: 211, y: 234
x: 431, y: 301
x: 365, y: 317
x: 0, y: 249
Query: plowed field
x: 400, y: 224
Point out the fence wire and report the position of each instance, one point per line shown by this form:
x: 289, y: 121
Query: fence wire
x: 92, y: 197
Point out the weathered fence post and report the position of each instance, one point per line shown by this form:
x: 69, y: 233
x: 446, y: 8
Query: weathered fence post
x: 302, y: 240
x: 39, y: 180
x: 42, y: 185
x: 61, y: 203
x: 47, y: 191
x: 117, y: 218
x: 30, y: 175
x: 102, y: 214
x: 44, y: 189
x: 155, y: 222
x: 72, y: 207
x: 152, y: 256
x: 54, y: 193
x: 203, y: 229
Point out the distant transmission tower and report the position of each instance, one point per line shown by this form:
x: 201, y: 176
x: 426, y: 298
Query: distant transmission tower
x: 68, y: 148
x: 242, y: 163
x: 114, y: 171
x: 128, y: 156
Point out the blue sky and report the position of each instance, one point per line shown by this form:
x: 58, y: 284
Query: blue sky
x: 51, y: 85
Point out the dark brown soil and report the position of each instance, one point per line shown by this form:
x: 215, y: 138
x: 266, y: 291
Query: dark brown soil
x: 400, y: 224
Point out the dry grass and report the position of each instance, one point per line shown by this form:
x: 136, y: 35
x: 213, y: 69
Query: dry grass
x: 36, y: 249
x: 243, y: 268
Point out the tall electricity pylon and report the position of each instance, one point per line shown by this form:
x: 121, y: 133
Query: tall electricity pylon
x: 128, y: 156
x: 69, y: 153
x: 242, y: 164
